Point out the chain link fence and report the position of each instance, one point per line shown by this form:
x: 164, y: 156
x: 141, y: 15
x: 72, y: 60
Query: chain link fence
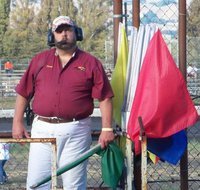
x: 165, y: 15
x: 16, y: 166
x: 161, y: 176
x: 16, y: 169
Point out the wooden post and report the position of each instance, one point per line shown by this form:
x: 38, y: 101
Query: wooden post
x: 143, y: 140
x: 129, y: 159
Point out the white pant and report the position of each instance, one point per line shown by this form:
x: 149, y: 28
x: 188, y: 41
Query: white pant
x: 72, y: 139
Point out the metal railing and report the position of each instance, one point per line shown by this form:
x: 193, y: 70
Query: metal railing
x: 16, y: 166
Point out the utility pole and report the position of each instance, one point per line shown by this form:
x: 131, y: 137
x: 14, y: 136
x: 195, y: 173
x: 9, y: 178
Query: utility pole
x: 182, y: 66
x: 117, y: 18
x: 137, y: 159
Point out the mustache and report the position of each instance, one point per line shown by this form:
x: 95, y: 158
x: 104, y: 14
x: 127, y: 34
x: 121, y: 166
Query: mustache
x: 62, y: 42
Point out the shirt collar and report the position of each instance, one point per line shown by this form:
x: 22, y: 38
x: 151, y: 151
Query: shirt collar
x: 73, y: 55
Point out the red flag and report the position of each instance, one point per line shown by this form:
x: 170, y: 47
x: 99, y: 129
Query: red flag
x: 161, y: 98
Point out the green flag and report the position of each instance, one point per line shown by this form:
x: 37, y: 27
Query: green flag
x: 112, y: 164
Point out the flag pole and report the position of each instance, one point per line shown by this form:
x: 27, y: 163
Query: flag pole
x: 71, y: 165
x: 143, y: 140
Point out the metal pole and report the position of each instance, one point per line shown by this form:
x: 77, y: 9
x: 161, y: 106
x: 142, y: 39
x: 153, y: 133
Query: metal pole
x: 28, y: 140
x: 125, y: 16
x: 136, y: 161
x: 39, y: 140
x: 117, y: 17
x: 136, y: 13
x: 70, y: 165
x: 182, y: 66
x: 182, y: 37
x: 53, y: 167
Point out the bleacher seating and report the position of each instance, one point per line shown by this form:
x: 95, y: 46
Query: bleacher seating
x: 9, y: 81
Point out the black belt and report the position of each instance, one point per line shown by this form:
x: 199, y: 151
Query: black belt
x: 57, y: 120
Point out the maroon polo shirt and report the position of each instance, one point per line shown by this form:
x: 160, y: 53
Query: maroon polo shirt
x: 64, y: 92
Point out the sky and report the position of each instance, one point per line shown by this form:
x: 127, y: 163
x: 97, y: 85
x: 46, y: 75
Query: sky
x: 159, y: 2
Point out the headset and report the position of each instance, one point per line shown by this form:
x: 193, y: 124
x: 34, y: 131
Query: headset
x: 50, y: 36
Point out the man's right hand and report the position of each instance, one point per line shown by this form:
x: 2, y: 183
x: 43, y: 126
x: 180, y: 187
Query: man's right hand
x: 19, y: 130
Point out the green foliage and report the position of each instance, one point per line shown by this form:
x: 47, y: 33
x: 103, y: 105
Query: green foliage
x: 25, y: 32
x: 193, y: 33
x: 18, y: 38
x: 63, y: 7
x: 193, y: 24
x: 4, y: 21
x: 96, y: 23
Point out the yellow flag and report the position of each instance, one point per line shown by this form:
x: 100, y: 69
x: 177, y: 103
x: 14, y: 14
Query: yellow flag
x: 153, y: 157
x: 118, y: 81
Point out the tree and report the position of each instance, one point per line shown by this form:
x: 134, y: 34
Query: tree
x: 193, y: 24
x: 43, y: 23
x: 4, y: 21
x: 95, y: 19
x: 63, y: 7
x: 49, y: 10
x: 19, y: 39
x: 193, y: 33
x: 27, y: 31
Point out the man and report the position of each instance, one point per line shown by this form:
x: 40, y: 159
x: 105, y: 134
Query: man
x: 63, y: 90
x: 8, y: 66
x: 4, y: 156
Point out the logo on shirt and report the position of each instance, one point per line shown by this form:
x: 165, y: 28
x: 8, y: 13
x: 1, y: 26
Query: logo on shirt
x: 81, y: 68
x: 49, y: 66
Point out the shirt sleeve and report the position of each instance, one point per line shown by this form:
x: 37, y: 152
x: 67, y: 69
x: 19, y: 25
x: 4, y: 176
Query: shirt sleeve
x: 102, y: 88
x: 25, y: 87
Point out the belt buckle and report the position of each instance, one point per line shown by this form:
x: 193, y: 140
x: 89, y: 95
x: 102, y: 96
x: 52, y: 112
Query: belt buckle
x: 55, y: 119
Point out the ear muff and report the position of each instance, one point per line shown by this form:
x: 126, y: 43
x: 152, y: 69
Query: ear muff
x: 50, y: 36
x: 79, y: 33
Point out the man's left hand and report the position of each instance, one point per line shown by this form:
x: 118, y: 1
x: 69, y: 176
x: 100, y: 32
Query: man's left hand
x: 105, y: 138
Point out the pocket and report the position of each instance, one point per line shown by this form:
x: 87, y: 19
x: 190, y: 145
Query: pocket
x: 38, y: 130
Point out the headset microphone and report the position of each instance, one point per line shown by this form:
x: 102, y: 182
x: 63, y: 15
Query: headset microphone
x: 50, y: 36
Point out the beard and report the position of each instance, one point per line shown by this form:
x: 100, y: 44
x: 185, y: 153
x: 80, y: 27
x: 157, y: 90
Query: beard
x: 64, y: 45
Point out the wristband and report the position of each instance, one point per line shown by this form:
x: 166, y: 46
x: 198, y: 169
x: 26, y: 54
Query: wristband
x: 107, y: 129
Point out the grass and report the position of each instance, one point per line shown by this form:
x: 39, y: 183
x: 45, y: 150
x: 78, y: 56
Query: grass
x: 7, y: 102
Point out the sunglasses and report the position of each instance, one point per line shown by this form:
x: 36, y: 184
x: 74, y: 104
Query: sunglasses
x: 65, y: 28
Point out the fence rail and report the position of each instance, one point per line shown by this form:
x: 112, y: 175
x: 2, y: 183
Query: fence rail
x: 16, y: 167
x: 161, y: 176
